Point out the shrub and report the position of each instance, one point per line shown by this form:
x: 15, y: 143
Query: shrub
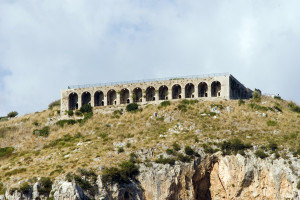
x: 44, y: 132
x: 120, y: 149
x: 298, y: 185
x: 2, y: 189
x: 25, y: 188
x: 188, y: 150
x: 6, y: 151
x: 241, y: 102
x: 256, y: 96
x: 54, y: 104
x: 163, y: 160
x: 170, y: 151
x: 271, y: 123
x: 15, y: 171
x: 122, y: 174
x: 258, y: 107
x: 61, y: 123
x: 273, y: 146
x: 183, y: 158
x: 176, y: 146
x: 45, y: 186
x: 132, y: 107
x: 87, y: 108
x: 208, y: 149
x: 165, y: 103
x: 261, y: 154
x: 277, y: 97
x: 234, y: 146
x: 187, y: 102
x: 294, y: 107
x: 182, y: 107
x: 70, y: 112
x: 78, y: 113
x: 12, y: 114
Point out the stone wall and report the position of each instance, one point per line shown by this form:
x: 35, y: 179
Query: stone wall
x: 208, y: 88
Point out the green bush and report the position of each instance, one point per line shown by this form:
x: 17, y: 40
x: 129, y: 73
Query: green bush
x: 61, y: 123
x: 233, y: 146
x: 170, y: 151
x: 12, y: 114
x: 54, y: 104
x: 120, y: 149
x: 45, y: 186
x: 271, y: 123
x: 163, y: 160
x: 208, y: 149
x: 258, y: 107
x: 44, y: 132
x: 70, y: 112
x: 25, y: 188
x: 132, y: 107
x: 2, y: 189
x: 277, y: 97
x: 256, y: 96
x: 188, y: 150
x: 176, y: 146
x: 241, y: 102
x: 294, y: 107
x: 78, y: 113
x: 272, y: 145
x: 261, y: 154
x: 15, y: 171
x: 87, y: 108
x: 183, y: 158
x: 182, y: 107
x: 122, y: 174
x: 187, y: 102
x: 165, y: 103
x: 6, y: 151
x: 298, y: 185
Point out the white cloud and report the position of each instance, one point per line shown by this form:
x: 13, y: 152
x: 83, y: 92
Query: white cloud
x: 47, y: 45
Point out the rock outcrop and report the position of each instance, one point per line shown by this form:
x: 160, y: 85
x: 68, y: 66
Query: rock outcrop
x: 206, y: 177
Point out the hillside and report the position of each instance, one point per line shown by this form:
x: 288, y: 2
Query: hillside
x: 39, y: 145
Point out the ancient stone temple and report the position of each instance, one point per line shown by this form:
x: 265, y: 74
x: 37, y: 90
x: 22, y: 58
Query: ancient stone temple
x: 205, y: 87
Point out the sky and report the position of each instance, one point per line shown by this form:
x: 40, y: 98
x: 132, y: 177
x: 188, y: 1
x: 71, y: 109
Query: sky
x: 46, y: 45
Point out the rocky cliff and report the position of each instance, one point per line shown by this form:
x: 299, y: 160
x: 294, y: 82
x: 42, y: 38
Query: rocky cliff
x: 206, y: 177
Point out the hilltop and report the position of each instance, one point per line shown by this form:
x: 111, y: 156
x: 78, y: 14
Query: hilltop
x: 44, y: 145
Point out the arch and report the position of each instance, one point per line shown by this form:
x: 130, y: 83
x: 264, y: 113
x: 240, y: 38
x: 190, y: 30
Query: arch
x: 85, y: 98
x: 202, y: 89
x: 111, y: 97
x: 98, y: 98
x: 216, y: 89
x: 124, y: 96
x: 150, y: 94
x: 73, y: 101
x: 189, y: 90
x: 163, y: 92
x: 137, y: 94
x: 176, y: 91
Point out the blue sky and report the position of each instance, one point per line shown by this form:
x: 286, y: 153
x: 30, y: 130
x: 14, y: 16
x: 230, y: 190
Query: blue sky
x: 47, y: 45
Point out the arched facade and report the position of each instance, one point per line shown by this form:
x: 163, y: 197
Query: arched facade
x: 150, y: 94
x: 189, y: 90
x: 73, y: 101
x: 124, y: 96
x: 176, y: 91
x: 216, y: 89
x: 137, y: 94
x: 206, y: 88
x: 163, y: 92
x: 111, y: 97
x: 85, y: 98
x: 98, y: 98
x: 202, y: 89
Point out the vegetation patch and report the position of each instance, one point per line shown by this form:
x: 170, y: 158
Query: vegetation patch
x: 271, y: 123
x: 25, y: 188
x: 234, y: 146
x: 65, y: 141
x: 132, y: 107
x: 121, y: 174
x: 45, y: 186
x: 12, y: 114
x: 258, y: 107
x: 6, y: 151
x: 15, y: 171
x: 162, y: 160
x: 261, y: 154
x: 44, y: 132
x: 294, y: 107
x: 54, y: 104
x: 164, y: 104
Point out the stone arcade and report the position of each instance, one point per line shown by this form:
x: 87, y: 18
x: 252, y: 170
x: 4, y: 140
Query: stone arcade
x: 205, y: 87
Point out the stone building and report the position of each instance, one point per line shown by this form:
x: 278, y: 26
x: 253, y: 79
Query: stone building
x: 205, y: 87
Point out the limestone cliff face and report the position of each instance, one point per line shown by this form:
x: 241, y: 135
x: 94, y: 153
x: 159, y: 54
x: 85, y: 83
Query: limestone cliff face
x: 208, y: 177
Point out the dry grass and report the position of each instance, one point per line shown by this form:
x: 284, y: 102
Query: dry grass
x: 94, y: 146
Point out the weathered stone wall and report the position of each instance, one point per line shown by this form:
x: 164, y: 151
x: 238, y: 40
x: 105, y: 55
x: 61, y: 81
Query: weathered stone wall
x: 208, y: 88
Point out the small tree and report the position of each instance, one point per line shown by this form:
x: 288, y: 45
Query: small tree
x: 12, y: 114
x: 132, y: 107
x: 256, y: 96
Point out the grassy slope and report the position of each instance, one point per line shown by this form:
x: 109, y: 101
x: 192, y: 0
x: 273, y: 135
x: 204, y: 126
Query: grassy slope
x: 93, y: 147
